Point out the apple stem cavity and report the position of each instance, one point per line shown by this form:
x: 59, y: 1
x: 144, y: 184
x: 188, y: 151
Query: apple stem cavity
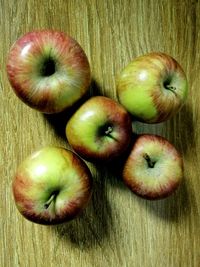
x: 51, y: 199
x: 150, y: 162
x: 106, y: 130
x: 48, y: 67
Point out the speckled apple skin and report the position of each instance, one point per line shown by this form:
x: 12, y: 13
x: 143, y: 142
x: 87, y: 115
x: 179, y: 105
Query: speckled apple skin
x: 51, y: 94
x: 140, y: 87
x: 47, y: 170
x: 82, y: 129
x: 160, y: 181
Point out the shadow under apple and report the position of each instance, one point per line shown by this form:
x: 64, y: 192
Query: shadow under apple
x: 173, y: 208
x: 93, y: 225
x: 113, y: 172
x: 183, y: 130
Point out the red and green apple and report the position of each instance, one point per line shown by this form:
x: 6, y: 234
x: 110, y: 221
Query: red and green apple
x: 48, y: 70
x: 100, y: 129
x: 51, y: 186
x: 154, y: 167
x: 153, y: 87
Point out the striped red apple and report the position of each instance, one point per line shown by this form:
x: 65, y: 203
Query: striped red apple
x: 48, y: 70
x: 153, y: 87
x: 51, y: 186
x: 154, y: 167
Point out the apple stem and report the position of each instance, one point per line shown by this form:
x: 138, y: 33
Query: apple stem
x: 49, y: 201
x: 109, y: 130
x: 149, y: 161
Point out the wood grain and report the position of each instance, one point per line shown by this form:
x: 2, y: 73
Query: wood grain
x: 117, y: 229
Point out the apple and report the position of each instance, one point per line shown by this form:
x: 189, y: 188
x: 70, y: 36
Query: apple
x: 100, y: 129
x: 154, y: 168
x: 48, y: 70
x: 52, y: 186
x: 152, y: 87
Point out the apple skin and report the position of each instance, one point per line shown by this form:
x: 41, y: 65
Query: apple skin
x: 48, y: 70
x: 153, y: 87
x: 154, y: 168
x: 100, y: 129
x: 52, y: 186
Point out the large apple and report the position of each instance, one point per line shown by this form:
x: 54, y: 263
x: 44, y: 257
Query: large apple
x: 100, y: 129
x: 52, y: 186
x: 152, y: 87
x: 154, y: 168
x: 48, y: 70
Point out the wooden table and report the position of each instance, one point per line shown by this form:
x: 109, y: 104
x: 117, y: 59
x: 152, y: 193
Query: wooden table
x: 117, y: 229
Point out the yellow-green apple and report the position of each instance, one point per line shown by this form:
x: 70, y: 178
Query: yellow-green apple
x: 52, y: 186
x: 152, y: 87
x: 48, y: 70
x: 100, y: 129
x: 154, y: 168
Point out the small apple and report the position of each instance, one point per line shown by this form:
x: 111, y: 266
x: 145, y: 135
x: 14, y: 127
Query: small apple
x: 154, y: 168
x: 48, y: 70
x: 100, y: 129
x: 152, y: 87
x: 52, y: 186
